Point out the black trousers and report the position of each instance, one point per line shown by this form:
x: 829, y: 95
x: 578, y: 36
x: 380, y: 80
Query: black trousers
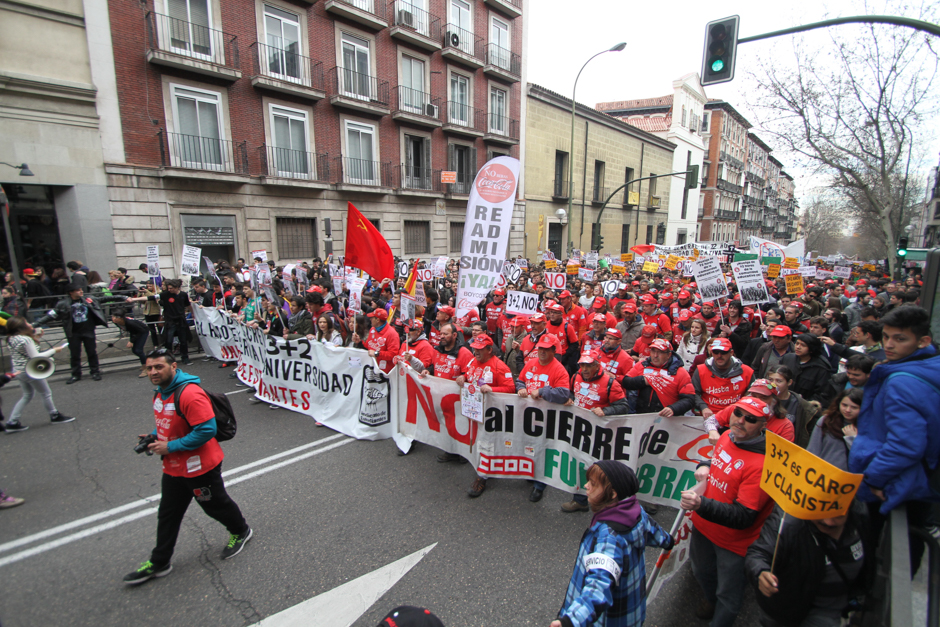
x: 91, y: 349
x: 151, y: 321
x: 177, y: 492
x: 138, y: 348
x: 180, y: 329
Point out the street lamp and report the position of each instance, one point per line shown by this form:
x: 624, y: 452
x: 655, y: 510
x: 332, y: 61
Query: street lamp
x: 23, y: 168
x: 574, y: 91
x: 562, y: 216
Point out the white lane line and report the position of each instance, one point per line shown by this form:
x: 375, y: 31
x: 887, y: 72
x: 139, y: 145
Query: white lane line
x: 344, y: 605
x: 239, y: 391
x: 81, y: 522
x: 54, y: 544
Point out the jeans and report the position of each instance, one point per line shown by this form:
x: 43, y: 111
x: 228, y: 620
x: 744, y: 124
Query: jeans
x: 180, y: 329
x: 176, y: 493
x: 721, y: 575
x: 151, y: 321
x: 30, y: 386
x: 75, y: 349
x: 138, y: 348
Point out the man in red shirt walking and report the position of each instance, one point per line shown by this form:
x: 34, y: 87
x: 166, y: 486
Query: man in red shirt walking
x: 382, y: 341
x: 494, y: 310
x: 612, y: 357
x: 417, y: 352
x: 653, y: 316
x: 575, y: 314
x: 568, y: 345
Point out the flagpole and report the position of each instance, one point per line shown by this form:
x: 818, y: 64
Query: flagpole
x: 773, y: 561
x: 663, y: 552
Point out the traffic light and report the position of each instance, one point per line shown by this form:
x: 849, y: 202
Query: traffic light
x: 691, y: 178
x: 721, y: 43
x: 597, y: 240
x: 902, y: 246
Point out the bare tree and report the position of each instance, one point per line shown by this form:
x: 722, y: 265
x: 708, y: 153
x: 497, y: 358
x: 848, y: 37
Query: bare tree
x: 824, y: 220
x: 855, y: 112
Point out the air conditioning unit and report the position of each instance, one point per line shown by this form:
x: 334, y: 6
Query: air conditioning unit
x: 431, y: 110
x: 406, y: 18
x: 453, y: 39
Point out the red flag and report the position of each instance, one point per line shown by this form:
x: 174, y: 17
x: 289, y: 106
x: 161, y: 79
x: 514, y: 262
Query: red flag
x: 366, y: 249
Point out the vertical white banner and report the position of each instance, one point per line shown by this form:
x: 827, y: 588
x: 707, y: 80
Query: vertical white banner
x: 153, y: 260
x: 750, y: 280
x: 486, y: 231
x: 189, y: 265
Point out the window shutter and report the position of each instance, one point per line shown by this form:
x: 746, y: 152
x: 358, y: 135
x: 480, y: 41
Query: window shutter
x: 427, y: 156
x: 473, y: 165
x: 451, y: 157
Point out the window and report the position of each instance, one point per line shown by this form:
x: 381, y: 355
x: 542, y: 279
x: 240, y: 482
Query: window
x: 649, y: 234
x: 417, y: 237
x: 412, y: 14
x: 462, y: 160
x: 296, y: 238
x: 499, y: 124
x: 417, y: 170
x: 625, y: 238
x: 681, y: 237
x: 282, y: 34
x: 360, y: 164
x: 290, y: 154
x: 653, y: 184
x: 456, y: 236
x: 599, y: 195
x: 628, y: 175
x: 705, y: 122
x: 683, y: 115
x: 198, y: 140
x: 460, y: 23
x: 413, y: 96
x: 190, y: 26
x: 355, y: 78
x: 460, y: 100
x: 499, y: 43
x: 561, y: 175
x: 376, y: 223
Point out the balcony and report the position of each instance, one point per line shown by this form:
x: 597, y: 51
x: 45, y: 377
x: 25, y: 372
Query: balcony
x: 294, y: 168
x: 463, y: 47
x: 206, y: 154
x: 753, y: 178
x: 728, y: 187
x: 286, y: 72
x: 501, y: 129
x: 359, y: 92
x: 630, y: 198
x: 192, y: 47
x: 767, y: 229
x: 415, y: 26
x: 412, y: 181
x: 751, y: 200
x: 416, y: 107
x: 781, y: 235
x: 512, y: 8
x: 724, y: 214
x: 560, y: 188
x: 368, y: 13
x: 362, y: 175
x: 460, y: 189
x: 462, y: 119
x: 735, y: 163
x: 750, y: 224
x: 503, y: 64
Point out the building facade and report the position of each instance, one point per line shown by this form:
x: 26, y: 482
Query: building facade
x: 926, y: 231
x: 607, y: 153
x: 249, y: 124
x: 676, y: 118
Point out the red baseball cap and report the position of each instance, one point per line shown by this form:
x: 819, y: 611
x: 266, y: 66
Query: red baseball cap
x: 629, y: 306
x: 781, y: 330
x: 381, y: 314
x: 499, y: 292
x: 588, y: 357
x: 661, y: 345
x: 648, y: 300
x: 649, y: 331
x: 721, y: 344
x: 763, y: 386
x: 538, y: 316
x: 684, y: 294
x: 416, y: 323
x: 685, y: 316
x: 548, y: 341
x: 481, y: 341
x: 446, y: 309
x: 599, y: 317
x: 551, y: 305
x: 565, y: 294
x: 314, y: 289
x: 614, y: 333
x: 599, y: 302
x: 753, y: 406
x: 709, y: 303
x: 519, y: 321
x: 666, y: 296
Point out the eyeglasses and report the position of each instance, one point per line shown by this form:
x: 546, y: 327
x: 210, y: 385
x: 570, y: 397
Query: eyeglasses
x: 747, y: 417
x: 718, y: 352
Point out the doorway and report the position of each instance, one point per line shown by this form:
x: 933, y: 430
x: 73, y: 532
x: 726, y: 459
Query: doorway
x: 554, y: 239
x: 34, y: 229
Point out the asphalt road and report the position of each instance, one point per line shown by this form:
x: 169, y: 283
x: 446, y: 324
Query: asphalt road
x: 322, y: 516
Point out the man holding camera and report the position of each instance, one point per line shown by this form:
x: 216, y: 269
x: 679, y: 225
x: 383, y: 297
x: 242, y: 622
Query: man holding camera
x: 192, y: 464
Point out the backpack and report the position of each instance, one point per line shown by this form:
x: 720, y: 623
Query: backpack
x: 225, y: 422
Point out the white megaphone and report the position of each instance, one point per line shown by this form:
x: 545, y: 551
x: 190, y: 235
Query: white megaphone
x: 40, y: 368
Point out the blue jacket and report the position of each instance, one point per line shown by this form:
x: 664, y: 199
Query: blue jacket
x: 608, y: 586
x: 898, y: 428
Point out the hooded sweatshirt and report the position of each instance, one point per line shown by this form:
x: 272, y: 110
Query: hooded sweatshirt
x: 188, y: 429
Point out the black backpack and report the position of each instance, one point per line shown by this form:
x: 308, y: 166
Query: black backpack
x: 225, y: 422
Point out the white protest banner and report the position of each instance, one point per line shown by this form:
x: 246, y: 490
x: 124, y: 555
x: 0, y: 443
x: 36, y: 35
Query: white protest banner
x: 337, y: 285
x: 547, y: 255
x: 611, y: 287
x: 710, y: 280
x: 424, y: 274
x: 809, y: 271
x: 590, y: 259
x: 521, y: 303
x: 335, y: 270
x: 843, y: 272
x: 439, y: 269
x: 522, y: 263
x: 511, y: 272
x: 787, y: 271
x: 750, y: 280
x: 556, y: 280
x: 189, y: 265
x: 260, y: 254
x: 585, y: 274
x: 420, y: 299
x: 355, y: 285
x: 407, y: 308
x: 486, y: 231
x: 823, y: 274
x: 153, y: 261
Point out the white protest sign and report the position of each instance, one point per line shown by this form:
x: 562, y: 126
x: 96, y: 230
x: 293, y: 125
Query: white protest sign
x: 809, y: 271
x: 585, y: 274
x: 263, y: 254
x: 420, y: 298
x: 424, y: 274
x: 522, y: 263
x: 337, y: 285
x: 190, y: 262
x: 611, y: 287
x: 439, y: 270
x: 750, y: 282
x: 823, y: 274
x: 153, y: 261
x: 843, y: 272
x: 555, y: 280
x: 471, y: 403
x: 787, y: 271
x: 486, y: 231
x: 590, y: 260
x: 710, y: 280
x: 407, y: 307
x: 521, y: 303
x: 355, y: 285
x: 511, y: 271
x: 401, y: 268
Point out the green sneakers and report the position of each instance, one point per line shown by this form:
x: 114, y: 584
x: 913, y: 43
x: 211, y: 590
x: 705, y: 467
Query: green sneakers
x: 146, y: 571
x: 236, y: 544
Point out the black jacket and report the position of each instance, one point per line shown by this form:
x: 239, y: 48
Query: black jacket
x: 644, y: 399
x: 63, y: 311
x: 801, y: 562
x: 810, y: 380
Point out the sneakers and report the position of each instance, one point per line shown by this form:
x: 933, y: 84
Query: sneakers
x: 146, y: 571
x: 143, y: 373
x: 59, y: 418
x: 73, y: 380
x: 13, y: 427
x: 573, y: 506
x: 6, y: 502
x: 236, y: 544
x: 536, y: 495
x: 187, y: 362
x: 96, y: 376
x: 479, y: 485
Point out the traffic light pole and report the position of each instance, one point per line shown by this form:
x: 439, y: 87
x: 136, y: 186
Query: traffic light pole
x: 927, y: 27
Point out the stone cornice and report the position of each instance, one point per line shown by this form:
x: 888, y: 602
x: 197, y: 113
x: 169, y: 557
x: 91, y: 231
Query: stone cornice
x: 45, y: 13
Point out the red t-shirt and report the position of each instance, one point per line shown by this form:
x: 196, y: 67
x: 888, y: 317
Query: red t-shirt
x: 734, y: 476
x: 591, y: 394
x: 534, y: 375
x: 565, y: 332
x: 668, y: 387
x: 493, y: 373
x: 450, y: 367
x: 710, y: 323
x: 589, y: 342
x: 493, y: 314
x: 660, y: 321
x: 465, y: 322
x: 780, y: 426
x: 197, y: 409
x: 577, y: 317
x: 675, y: 309
x: 719, y: 393
x: 421, y: 350
x: 385, y: 343
x: 617, y: 362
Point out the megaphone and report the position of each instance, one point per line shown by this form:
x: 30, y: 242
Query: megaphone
x: 40, y: 368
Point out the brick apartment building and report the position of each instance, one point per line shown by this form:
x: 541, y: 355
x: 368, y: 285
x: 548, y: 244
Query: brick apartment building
x: 249, y: 124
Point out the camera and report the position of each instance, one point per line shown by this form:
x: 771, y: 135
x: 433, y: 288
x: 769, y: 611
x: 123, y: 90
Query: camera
x: 143, y: 443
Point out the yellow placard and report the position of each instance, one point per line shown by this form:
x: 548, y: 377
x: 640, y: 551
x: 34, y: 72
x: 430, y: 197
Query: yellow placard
x: 696, y: 253
x: 773, y: 270
x: 550, y: 264
x: 794, y: 284
x: 626, y: 257
x: 633, y: 198
x: 672, y: 261
x: 650, y: 266
x: 791, y: 262
x: 803, y: 485
x: 616, y: 268
x: 572, y: 268
x: 869, y: 267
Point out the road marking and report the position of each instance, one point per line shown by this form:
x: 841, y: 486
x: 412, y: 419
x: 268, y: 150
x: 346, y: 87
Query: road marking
x: 239, y: 391
x: 344, y: 605
x: 156, y: 497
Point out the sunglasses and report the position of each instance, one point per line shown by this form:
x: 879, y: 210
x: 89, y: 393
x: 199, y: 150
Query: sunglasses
x: 747, y: 417
x: 718, y: 352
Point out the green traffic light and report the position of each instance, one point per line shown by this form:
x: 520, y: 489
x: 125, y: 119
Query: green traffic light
x: 718, y: 65
x: 902, y: 253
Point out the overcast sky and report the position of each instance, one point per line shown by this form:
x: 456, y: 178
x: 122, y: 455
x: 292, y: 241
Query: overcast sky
x: 664, y: 42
